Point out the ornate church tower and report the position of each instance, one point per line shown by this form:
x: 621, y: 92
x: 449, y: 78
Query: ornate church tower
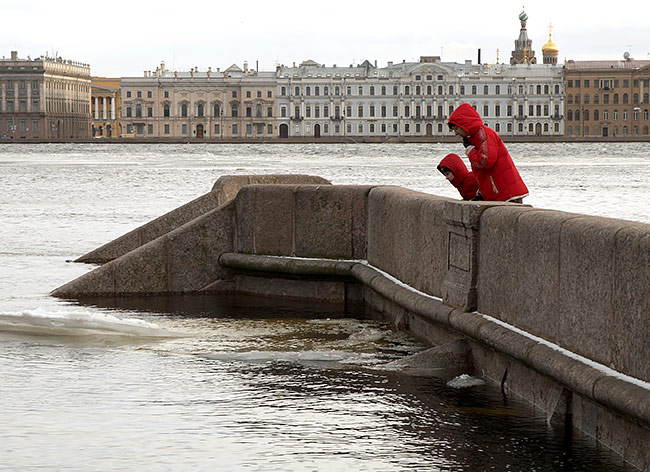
x: 550, y: 49
x: 523, y: 53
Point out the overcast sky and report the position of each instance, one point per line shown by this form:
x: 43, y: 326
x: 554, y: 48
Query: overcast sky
x: 123, y: 38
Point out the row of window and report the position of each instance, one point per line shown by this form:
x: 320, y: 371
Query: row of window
x: 22, y: 126
x: 605, y: 130
x: 249, y: 94
x: 257, y: 129
x: 10, y: 106
x: 615, y: 98
x: 605, y: 84
x: 497, y: 111
x: 200, y: 111
x: 418, y: 90
x: 575, y: 115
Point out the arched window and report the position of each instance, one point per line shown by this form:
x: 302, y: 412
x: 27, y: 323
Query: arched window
x: 166, y: 110
x: 337, y: 90
x: 216, y: 110
x: 258, y: 111
x: 635, y: 98
x: 234, y: 110
x: 569, y: 98
x: 199, y: 110
x: 539, y: 90
x: 577, y: 115
x: 586, y: 115
x: 383, y: 90
x: 429, y: 90
x: 596, y: 98
x: 586, y: 100
x: 486, y: 90
x: 557, y: 89
x: 138, y: 110
x: 372, y: 90
x: 595, y: 115
x: 626, y: 98
x: 407, y: 90
x: 473, y: 89
x: 615, y: 98
x: 569, y: 115
x: 184, y: 109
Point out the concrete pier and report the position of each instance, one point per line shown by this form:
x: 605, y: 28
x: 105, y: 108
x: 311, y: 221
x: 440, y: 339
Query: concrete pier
x: 553, y: 307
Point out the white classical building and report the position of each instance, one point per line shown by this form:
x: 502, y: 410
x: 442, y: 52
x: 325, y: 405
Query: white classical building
x: 416, y: 98
x: 233, y: 103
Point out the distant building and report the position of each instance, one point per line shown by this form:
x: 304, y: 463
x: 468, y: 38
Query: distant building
x: 607, y: 98
x: 415, y: 99
x: 105, y: 106
x: 44, y: 98
x: 199, y: 104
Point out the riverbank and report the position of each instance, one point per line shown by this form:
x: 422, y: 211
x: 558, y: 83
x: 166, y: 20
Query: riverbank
x: 330, y: 140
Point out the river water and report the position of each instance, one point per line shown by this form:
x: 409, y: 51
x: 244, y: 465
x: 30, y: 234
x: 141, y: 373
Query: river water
x: 237, y: 385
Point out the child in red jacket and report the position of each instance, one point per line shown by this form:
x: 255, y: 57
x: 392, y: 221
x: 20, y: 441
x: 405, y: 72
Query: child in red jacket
x: 495, y: 172
x: 454, y: 170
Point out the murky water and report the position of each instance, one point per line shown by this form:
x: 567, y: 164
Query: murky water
x: 171, y: 385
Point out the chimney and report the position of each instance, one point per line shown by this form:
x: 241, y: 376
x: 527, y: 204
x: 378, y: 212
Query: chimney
x: 14, y: 55
x: 479, y: 56
x: 245, y: 66
x: 390, y: 63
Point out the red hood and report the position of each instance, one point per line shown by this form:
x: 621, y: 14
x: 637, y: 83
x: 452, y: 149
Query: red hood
x: 454, y: 163
x: 467, y: 118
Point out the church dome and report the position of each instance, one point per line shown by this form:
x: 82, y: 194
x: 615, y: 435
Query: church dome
x: 550, y: 47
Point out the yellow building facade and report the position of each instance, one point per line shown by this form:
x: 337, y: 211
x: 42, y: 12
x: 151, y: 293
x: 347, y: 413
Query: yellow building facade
x: 608, y: 98
x: 106, y: 106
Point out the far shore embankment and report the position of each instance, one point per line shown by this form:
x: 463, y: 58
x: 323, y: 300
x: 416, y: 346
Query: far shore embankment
x: 329, y: 140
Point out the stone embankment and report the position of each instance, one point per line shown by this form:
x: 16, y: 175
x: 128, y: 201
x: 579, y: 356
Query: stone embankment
x: 552, y: 306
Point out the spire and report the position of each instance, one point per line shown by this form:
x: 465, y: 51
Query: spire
x: 523, y: 53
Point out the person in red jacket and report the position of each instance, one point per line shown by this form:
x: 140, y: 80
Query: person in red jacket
x: 455, y: 171
x: 495, y: 172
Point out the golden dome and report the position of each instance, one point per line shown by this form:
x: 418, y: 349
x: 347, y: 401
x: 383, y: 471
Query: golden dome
x: 550, y: 47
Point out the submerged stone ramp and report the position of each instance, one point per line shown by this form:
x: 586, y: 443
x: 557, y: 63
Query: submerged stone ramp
x: 224, y: 190
x: 553, y: 307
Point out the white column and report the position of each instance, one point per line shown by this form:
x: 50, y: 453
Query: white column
x: 96, y: 109
x: 113, y: 104
x: 104, y: 108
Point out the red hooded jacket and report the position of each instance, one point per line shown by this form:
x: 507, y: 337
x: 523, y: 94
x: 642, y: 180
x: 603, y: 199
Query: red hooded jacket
x: 497, y: 176
x: 464, y: 180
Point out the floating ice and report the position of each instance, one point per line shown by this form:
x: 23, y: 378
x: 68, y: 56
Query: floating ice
x: 69, y: 323
x: 464, y: 381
